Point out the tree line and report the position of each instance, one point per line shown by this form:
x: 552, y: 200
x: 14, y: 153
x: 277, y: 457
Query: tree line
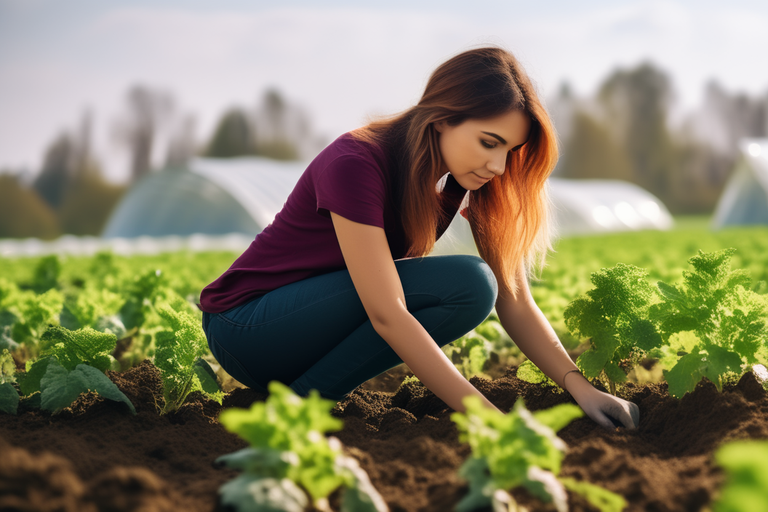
x: 69, y: 194
x: 624, y: 131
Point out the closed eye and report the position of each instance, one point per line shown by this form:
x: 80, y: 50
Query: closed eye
x: 489, y: 145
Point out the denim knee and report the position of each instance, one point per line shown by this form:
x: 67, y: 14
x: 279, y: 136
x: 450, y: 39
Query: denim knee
x: 478, y: 280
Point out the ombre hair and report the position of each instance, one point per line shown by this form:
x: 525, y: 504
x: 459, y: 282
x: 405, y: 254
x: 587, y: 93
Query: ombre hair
x: 509, y: 215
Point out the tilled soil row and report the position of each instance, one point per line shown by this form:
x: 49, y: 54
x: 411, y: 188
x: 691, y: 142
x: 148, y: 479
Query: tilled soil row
x: 96, y: 456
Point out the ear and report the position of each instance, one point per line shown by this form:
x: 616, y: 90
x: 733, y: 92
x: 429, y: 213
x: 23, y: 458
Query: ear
x: 439, y: 125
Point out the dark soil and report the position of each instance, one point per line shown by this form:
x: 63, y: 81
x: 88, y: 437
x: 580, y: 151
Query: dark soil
x: 95, y: 456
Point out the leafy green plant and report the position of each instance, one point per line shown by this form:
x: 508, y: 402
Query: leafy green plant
x: 469, y: 353
x: 614, y: 316
x: 72, y: 362
x: 529, y: 372
x: 60, y: 387
x: 9, y: 397
x: 140, y: 294
x: 24, y: 316
x: 520, y: 449
x: 46, y: 275
x: 746, y: 468
x: 179, y: 354
x: 726, y: 321
x: 290, y: 461
x: 94, y: 307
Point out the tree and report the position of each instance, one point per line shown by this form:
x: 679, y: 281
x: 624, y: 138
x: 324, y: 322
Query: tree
x: 592, y: 153
x: 23, y: 213
x: 148, y: 111
x: 282, y: 128
x: 234, y: 136
x: 181, y: 145
x: 88, y: 203
x: 57, y: 171
x: 635, y: 103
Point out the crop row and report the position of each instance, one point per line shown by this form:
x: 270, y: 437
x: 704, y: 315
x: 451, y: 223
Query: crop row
x: 64, y: 322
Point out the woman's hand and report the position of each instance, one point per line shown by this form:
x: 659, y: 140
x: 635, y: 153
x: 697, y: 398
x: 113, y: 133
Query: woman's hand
x: 600, y: 406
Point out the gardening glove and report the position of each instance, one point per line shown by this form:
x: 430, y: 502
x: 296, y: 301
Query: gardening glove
x: 605, y: 409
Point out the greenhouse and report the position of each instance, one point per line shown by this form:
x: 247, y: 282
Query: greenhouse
x: 242, y: 195
x: 211, y: 197
x: 745, y: 197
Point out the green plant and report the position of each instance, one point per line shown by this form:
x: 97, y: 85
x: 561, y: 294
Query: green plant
x: 46, y: 274
x: 746, y: 468
x: 520, y: 449
x: 290, y: 459
x: 72, y: 362
x: 614, y: 316
x: 469, y: 353
x: 714, y: 324
x: 9, y: 397
x: 178, y: 356
x: 60, y: 387
x: 24, y: 316
x: 94, y: 307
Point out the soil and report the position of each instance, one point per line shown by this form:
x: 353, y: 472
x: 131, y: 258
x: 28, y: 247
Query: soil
x: 96, y: 456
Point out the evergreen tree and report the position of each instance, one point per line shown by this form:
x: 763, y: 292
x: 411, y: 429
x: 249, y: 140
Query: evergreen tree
x: 636, y: 103
x: 592, y: 153
x: 234, y: 136
x: 58, y: 169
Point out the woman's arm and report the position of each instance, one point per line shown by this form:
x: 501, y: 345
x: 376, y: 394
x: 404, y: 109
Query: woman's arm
x: 369, y: 261
x: 532, y: 333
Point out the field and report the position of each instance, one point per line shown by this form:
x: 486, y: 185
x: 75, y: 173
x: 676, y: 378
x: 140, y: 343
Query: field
x: 94, y: 454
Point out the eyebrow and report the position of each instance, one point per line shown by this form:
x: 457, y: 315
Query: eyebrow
x: 496, y: 137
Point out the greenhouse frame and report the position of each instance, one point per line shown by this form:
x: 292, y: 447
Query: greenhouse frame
x: 243, y: 195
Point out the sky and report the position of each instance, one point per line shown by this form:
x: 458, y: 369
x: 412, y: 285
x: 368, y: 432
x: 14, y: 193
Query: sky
x: 341, y: 60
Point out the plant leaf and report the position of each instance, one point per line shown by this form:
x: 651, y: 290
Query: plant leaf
x: 361, y: 495
x: 9, y: 398
x: 29, y: 382
x: 250, y: 493
x: 720, y: 362
x: 592, y: 362
x: 602, y: 499
x: 684, y: 376
x: 59, y: 387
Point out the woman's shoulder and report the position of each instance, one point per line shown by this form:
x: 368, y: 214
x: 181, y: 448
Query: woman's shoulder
x: 353, y: 145
x: 350, y: 148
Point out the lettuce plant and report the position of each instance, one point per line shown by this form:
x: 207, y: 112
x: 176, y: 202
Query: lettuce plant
x: 46, y: 274
x: 72, y: 362
x: 469, y: 353
x: 290, y: 462
x: 614, y: 316
x: 9, y: 397
x: 726, y: 323
x: 746, y: 468
x: 94, y: 307
x: 520, y: 449
x: 178, y: 356
x: 24, y: 317
x: 710, y: 325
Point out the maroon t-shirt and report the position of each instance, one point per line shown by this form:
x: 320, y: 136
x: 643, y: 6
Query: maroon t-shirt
x: 350, y: 178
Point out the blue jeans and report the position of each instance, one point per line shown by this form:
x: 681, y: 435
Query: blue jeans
x: 315, y: 334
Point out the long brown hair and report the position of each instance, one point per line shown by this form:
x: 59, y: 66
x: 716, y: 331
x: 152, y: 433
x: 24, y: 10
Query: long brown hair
x: 508, y: 215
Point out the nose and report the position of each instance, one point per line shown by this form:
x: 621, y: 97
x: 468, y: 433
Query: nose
x: 497, y: 164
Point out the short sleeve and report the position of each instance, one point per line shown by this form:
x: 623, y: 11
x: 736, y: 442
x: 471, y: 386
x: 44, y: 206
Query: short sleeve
x: 353, y: 187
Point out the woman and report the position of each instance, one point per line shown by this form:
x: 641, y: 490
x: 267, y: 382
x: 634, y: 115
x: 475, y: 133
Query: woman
x: 336, y: 290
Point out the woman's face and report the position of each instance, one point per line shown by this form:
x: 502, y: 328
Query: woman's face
x: 475, y: 150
